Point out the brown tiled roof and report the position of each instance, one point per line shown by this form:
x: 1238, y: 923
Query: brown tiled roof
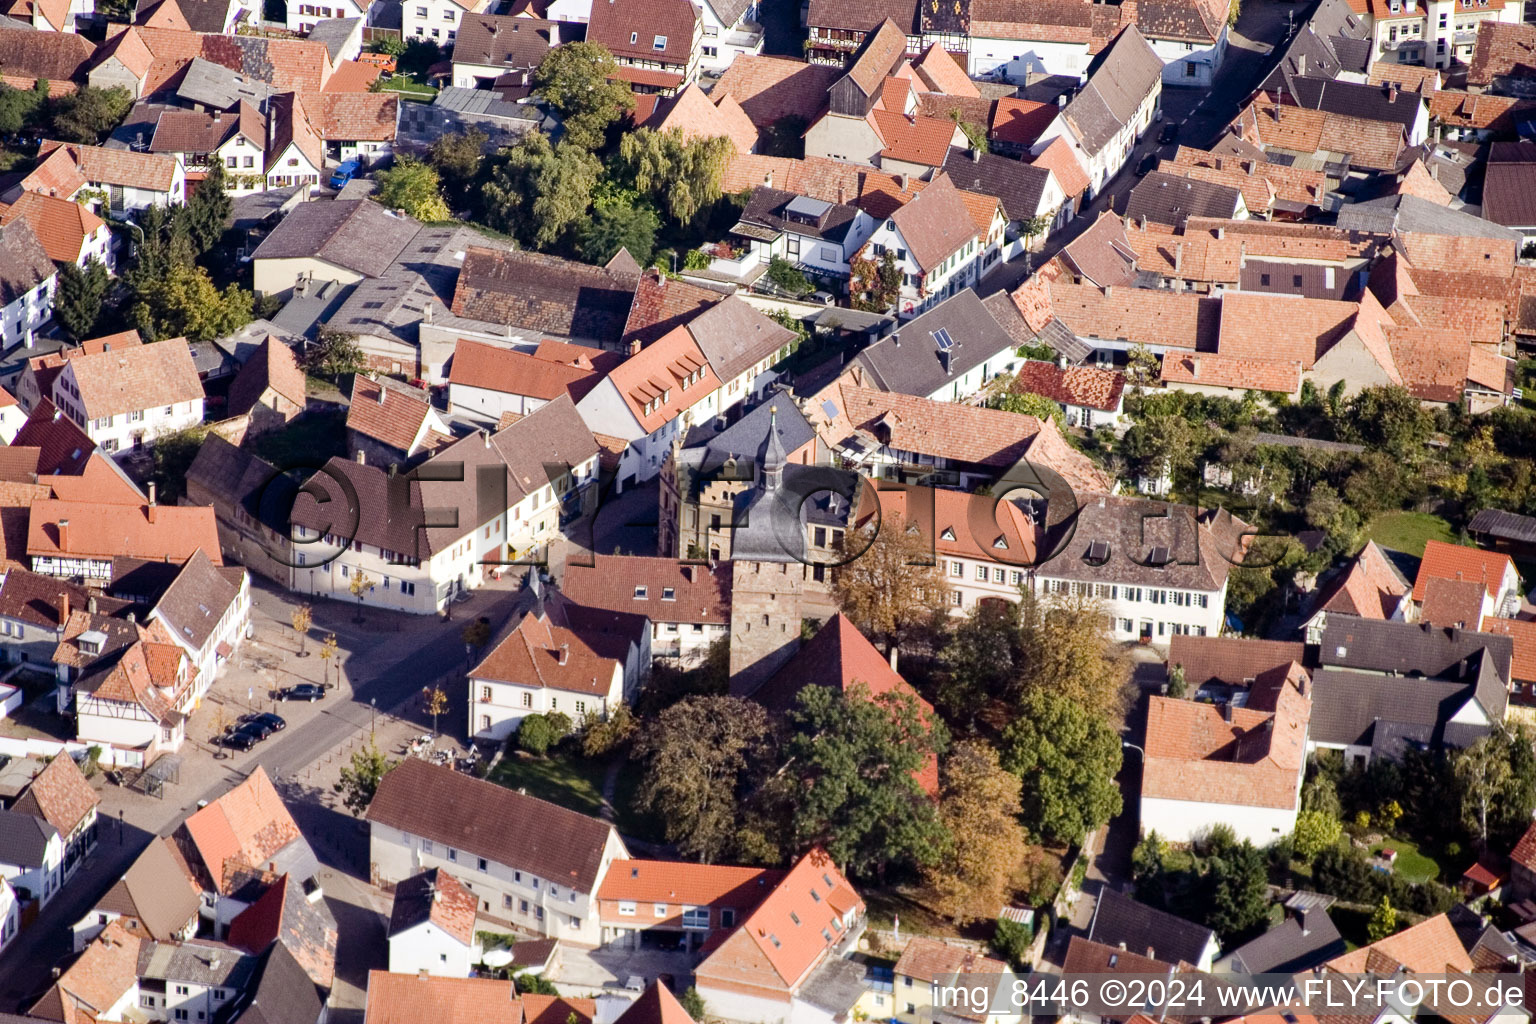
x: 195, y: 132
x: 1432, y: 361
x: 1453, y: 603
x: 1411, y: 77
x: 942, y: 72
x: 491, y: 821
x: 436, y: 896
x: 291, y: 65
x: 612, y: 582
x: 832, y: 181
x: 769, y: 88
x: 479, y: 365
x: 1087, y: 957
x: 57, y: 56
x: 1371, y: 587
x: 916, y: 139
x: 24, y: 263
x: 62, y: 446
x: 1235, y: 661
x: 387, y: 411
x: 271, y: 367
x: 1263, y: 326
x: 104, y: 974
x: 1524, y: 852
x: 1503, y: 49
x: 698, y: 116
x: 1417, y: 181
x: 240, y: 831
x: 1181, y: 255
x: 353, y: 76
x: 662, y: 304
x: 541, y: 1009
x: 540, y: 653
x: 117, y: 166
x: 285, y: 914
x: 413, y: 998
x: 356, y: 116
x: 877, y: 56
x: 656, y: 1005
x: 1019, y: 121
x: 60, y: 795
x: 60, y: 225
x: 1061, y: 21
x: 863, y: 15
x: 928, y: 960
x: 1087, y: 386
x: 543, y: 293
x: 673, y: 21
x: 1061, y: 160
x: 104, y: 531
x: 30, y: 597
x: 290, y: 125
x: 1482, y: 111
x: 1275, y: 376
x: 1430, y: 947
x: 137, y: 377
x: 1459, y: 562
x: 197, y: 599
x: 1199, y: 21
x: 1179, y: 320
x: 936, y: 224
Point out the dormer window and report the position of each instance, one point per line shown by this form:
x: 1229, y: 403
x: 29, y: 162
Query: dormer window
x: 640, y: 593
x: 634, y: 37
x: 948, y: 534
x: 659, y: 44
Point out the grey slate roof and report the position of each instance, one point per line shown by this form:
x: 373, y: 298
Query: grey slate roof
x: 1121, y: 76
x: 1325, y: 45
x: 1373, y: 645
x: 359, y: 235
x: 1355, y: 99
x: 1387, y: 713
x: 24, y: 839
x: 835, y: 986
x: 1303, y: 940
x: 1146, y: 931
x: 197, y: 961
x: 258, y: 208
x: 195, y: 601
x: 282, y: 993
x: 1017, y: 185
x: 1411, y: 214
x: 313, y: 303
x: 1170, y: 199
x: 769, y: 208
x: 733, y: 336
x: 218, y: 88
x: 907, y: 361
x: 1197, y: 544
x: 706, y: 452
x: 729, y: 11
x: 1496, y: 522
x: 334, y: 33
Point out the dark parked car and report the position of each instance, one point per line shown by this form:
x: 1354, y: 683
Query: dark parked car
x: 274, y: 723
x: 255, y: 730
x: 1148, y: 163
x: 304, y: 691
x: 1170, y: 133
x: 237, y: 740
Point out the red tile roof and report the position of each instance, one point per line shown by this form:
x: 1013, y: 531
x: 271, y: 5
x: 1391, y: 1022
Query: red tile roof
x: 539, y: 653
x: 60, y: 795
x: 654, y: 376
x: 126, y: 379
x: 1370, y: 588
x: 62, y: 226
x: 414, y: 998
x: 1020, y: 122
x: 273, y: 368
x: 916, y: 139
x: 612, y: 581
x: 769, y: 88
x: 103, y: 531
x: 240, y: 831
x: 1523, y: 663
x: 116, y: 166
x: 656, y: 1005
x: 1458, y: 562
x: 388, y: 411
x: 1087, y: 386
x: 1456, y: 603
x: 1212, y: 369
x: 539, y: 1009
x: 1430, y: 947
x: 680, y: 882
x: 493, y: 368
x: 356, y: 116
x: 944, y: 72
x: 1524, y: 852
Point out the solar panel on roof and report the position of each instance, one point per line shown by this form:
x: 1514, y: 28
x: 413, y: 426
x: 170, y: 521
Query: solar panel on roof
x: 943, y: 340
x: 830, y: 408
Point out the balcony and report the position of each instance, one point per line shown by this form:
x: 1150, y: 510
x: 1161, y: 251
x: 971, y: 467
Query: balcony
x: 749, y: 36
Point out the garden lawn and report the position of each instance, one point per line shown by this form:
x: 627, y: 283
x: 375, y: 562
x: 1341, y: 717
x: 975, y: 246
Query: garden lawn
x: 408, y: 86
x: 1411, y: 865
x: 1408, y: 532
x: 572, y: 782
x: 631, y: 819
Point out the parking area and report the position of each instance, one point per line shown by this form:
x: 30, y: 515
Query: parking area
x: 592, y: 972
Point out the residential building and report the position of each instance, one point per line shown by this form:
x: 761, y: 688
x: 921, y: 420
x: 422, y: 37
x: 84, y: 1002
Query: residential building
x: 302, y: 19
x: 493, y: 46
x: 59, y: 58
x: 837, y: 28
x: 145, y: 59
x: 155, y: 897
x: 656, y: 1005
x: 1121, y: 922
x: 1507, y: 180
x: 945, y: 354
x: 544, y: 296
x: 129, y: 181
x: 10, y: 914
x: 1435, y: 33
x: 126, y: 397
x: 236, y: 842
x: 34, y: 609
x: 695, y: 904
x: 1085, y: 957
x: 1306, y: 938
x: 1456, y: 562
x: 133, y: 702
x: 411, y: 566
x: 760, y: 971
x: 688, y: 607
x: 61, y: 796
x: 54, y: 15
x: 269, y: 388
x: 361, y: 126
x: 182, y: 980
x: 105, y: 977
x: 532, y: 865
x: 343, y: 241
x: 542, y: 665
x: 1242, y: 767
x: 432, y: 926
x: 250, y: 500
x: 1170, y: 199
x: 235, y: 138
x: 1121, y: 100
x: 1498, y: 63
x: 939, y: 247
x: 404, y: 998
x: 1090, y: 397
x: 1428, y: 947
x: 730, y: 32
x: 657, y: 43
x: 84, y: 539
x: 820, y: 238
x: 206, y: 610
x: 488, y: 381
x: 281, y: 992
x: 437, y: 20
x: 390, y: 423
x: 31, y: 858
x: 1369, y: 587
x: 27, y: 281
x: 926, y: 965
x: 216, y: 17
x: 293, y: 914
x: 35, y: 384
x: 69, y: 232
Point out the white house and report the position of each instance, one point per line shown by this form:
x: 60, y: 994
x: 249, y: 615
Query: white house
x: 731, y: 29
x: 1117, y: 106
x: 938, y: 245
x: 497, y: 844
x: 68, y: 231
x: 436, y: 20
x: 136, y: 705
x: 12, y: 416
x: 29, y: 277
x: 205, y: 610
x: 235, y: 138
x: 61, y: 796
x: 432, y: 926
x: 820, y: 238
x: 295, y: 152
x: 125, y: 397
x: 32, y: 858
x: 947, y: 354
x: 1239, y: 766
x: 10, y: 913
x: 127, y: 180
x: 688, y: 606
x: 1089, y: 396
x: 302, y: 18
x: 487, y: 381
x: 1435, y: 33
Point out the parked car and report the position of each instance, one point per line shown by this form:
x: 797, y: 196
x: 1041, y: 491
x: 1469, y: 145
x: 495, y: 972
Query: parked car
x: 255, y: 730
x: 1170, y: 133
x: 274, y: 723
x: 237, y: 740
x: 345, y: 173
x: 305, y: 691
x: 1148, y: 163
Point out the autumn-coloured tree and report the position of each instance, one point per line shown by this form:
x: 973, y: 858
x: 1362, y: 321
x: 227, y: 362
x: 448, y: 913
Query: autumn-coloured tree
x: 891, y: 584
x: 1069, y: 652
x: 436, y: 702
x: 303, y: 617
x: 979, y: 806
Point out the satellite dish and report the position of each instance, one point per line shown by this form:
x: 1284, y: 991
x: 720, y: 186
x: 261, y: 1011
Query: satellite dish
x: 497, y: 958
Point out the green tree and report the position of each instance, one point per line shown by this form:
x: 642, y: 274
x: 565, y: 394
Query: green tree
x: 332, y: 354
x: 536, y: 735
x: 1068, y: 758
x: 360, y: 779
x: 173, y: 454
x: 698, y: 756
x: 539, y: 192
x: 602, y: 736
x: 20, y: 108
x: 392, y: 46
x: 874, y: 286
x: 414, y: 187
x: 209, y: 209
x: 578, y: 81
x: 79, y: 296
x: 1011, y: 941
x: 681, y: 176
x: 619, y: 225
x: 1068, y: 651
x: 185, y: 304
x: 457, y: 157
x: 1239, y: 900
x: 784, y: 274
x: 1025, y: 402
x: 1389, y: 418
x: 89, y: 114
x: 1483, y: 773
x: 1142, y: 367
x: 982, y: 661
x: 536, y: 984
x: 979, y: 806
x: 1315, y: 832
x: 1178, y: 687
x: 1383, y: 920
x: 854, y: 758
x: 693, y: 1003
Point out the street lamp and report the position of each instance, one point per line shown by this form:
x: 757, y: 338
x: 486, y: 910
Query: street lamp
x: 1127, y: 745
x: 373, y: 707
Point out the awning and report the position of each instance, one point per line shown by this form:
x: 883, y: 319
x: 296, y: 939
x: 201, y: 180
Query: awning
x: 223, y: 650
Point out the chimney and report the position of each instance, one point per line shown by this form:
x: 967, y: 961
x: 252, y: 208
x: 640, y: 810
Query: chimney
x: 63, y: 534
x: 133, y: 617
x: 565, y: 653
x: 768, y: 179
x: 1178, y: 256
x: 975, y: 155
x: 151, y: 492
x: 901, y: 181
x: 63, y: 608
x: 1221, y: 232
x: 360, y: 457
x: 1195, y: 364
x: 634, y: 347
x: 149, y: 512
x: 90, y: 605
x: 426, y: 311
x: 1301, y: 64
x: 894, y: 652
x: 896, y: 339
x: 1392, y: 92
x: 1226, y: 711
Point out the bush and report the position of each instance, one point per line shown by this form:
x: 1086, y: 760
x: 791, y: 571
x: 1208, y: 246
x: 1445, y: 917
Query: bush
x: 602, y: 736
x: 783, y: 273
x: 1011, y: 940
x: 535, y: 735
x: 693, y: 1003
